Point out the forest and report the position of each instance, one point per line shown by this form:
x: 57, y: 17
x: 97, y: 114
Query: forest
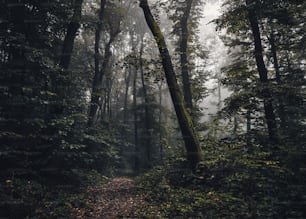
x: 137, y: 109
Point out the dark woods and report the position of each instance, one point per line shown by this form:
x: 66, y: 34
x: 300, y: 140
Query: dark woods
x: 90, y: 89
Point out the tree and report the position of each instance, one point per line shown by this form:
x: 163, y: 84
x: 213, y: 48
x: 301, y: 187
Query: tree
x: 263, y: 74
x: 183, y: 54
x: 271, y: 29
x: 185, y: 16
x: 190, y: 138
x: 41, y: 103
x: 98, y: 75
x: 72, y: 29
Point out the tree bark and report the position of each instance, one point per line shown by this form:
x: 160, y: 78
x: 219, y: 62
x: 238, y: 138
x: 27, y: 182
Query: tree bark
x: 97, y: 84
x: 72, y: 29
x: 192, y: 144
x: 282, y: 114
x: 184, y: 55
x: 263, y: 73
x: 275, y: 59
x: 98, y: 76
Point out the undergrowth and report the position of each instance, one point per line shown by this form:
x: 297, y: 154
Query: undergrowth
x: 34, y: 199
x: 231, y: 182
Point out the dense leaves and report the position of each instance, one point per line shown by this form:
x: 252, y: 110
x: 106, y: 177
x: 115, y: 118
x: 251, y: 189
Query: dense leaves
x: 83, y: 99
x: 231, y: 183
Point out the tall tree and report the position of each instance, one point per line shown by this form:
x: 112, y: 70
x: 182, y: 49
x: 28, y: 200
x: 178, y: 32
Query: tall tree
x: 185, y: 16
x: 112, y: 22
x: 32, y: 81
x: 192, y: 144
x: 184, y: 53
x: 148, y: 113
x: 263, y: 73
x: 98, y: 75
x: 135, y: 122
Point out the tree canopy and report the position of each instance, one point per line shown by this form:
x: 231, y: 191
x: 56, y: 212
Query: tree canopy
x: 91, y: 91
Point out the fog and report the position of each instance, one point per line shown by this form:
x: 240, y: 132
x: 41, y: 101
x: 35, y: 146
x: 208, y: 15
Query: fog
x: 217, y: 56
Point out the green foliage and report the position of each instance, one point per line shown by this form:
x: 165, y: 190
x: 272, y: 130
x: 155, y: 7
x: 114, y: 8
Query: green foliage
x: 43, y: 155
x: 232, y: 182
x: 279, y: 24
x: 195, y: 50
x: 22, y: 198
x: 48, y: 154
x: 106, y: 147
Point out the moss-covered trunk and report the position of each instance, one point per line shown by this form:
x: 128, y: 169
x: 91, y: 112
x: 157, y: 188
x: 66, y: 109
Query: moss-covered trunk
x: 190, y: 137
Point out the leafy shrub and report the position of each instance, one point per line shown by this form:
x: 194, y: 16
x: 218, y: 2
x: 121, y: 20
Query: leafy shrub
x: 21, y: 198
x: 231, y: 182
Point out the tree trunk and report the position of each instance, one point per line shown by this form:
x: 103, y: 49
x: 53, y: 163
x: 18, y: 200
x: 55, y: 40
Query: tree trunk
x: 127, y: 85
x: 282, y: 115
x: 160, y: 97
x: 109, y: 98
x: 184, y: 55
x: 65, y: 57
x: 137, y: 151
x: 275, y: 59
x: 148, y: 116
x: 189, y: 135
x: 97, y: 85
x: 263, y: 74
x: 72, y: 29
x: 94, y: 102
x: 248, y: 128
x: 127, y: 80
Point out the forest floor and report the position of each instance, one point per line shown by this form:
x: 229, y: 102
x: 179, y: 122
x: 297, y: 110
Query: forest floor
x: 116, y: 199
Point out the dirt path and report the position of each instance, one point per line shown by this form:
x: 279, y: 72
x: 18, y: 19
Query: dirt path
x: 116, y: 199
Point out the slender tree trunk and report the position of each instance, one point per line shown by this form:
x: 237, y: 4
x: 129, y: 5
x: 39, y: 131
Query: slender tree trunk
x: 97, y: 89
x: 94, y: 102
x: 67, y: 50
x: 148, y: 117
x: 72, y: 29
x: 184, y: 55
x: 97, y: 80
x: 109, y: 98
x: 189, y: 135
x: 263, y: 74
x: 248, y: 127
x: 161, y: 148
x: 275, y: 59
x: 137, y: 151
x: 127, y: 80
x: 127, y: 85
x: 282, y: 115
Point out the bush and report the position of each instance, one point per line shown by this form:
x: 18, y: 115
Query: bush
x: 230, y: 183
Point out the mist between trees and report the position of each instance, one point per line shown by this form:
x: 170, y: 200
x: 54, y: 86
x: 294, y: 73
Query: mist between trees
x: 190, y: 101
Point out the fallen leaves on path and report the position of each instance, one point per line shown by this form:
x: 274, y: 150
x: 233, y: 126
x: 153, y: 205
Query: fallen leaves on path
x: 116, y: 199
